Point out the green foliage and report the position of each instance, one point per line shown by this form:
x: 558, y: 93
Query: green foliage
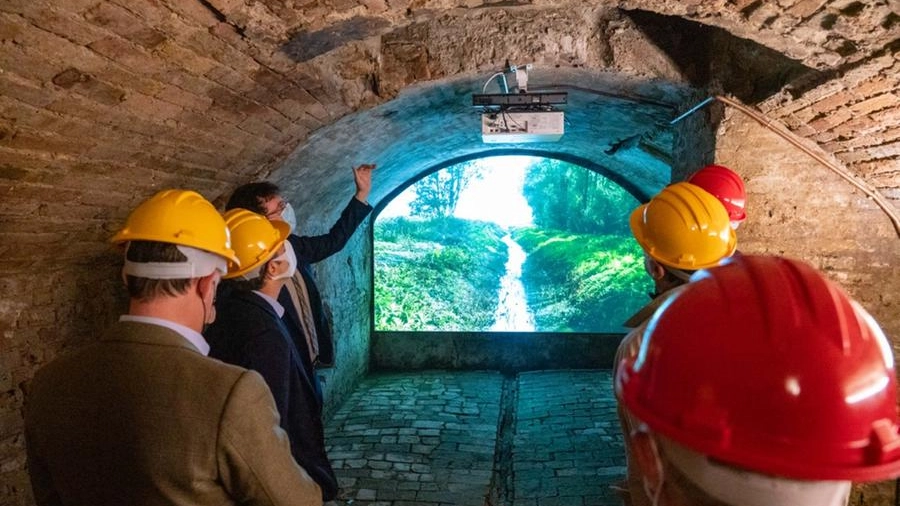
x: 582, y: 283
x: 583, y: 273
x: 437, y: 274
x: 437, y: 194
x: 569, y: 197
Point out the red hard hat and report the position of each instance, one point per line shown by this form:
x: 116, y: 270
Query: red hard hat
x: 726, y: 185
x: 764, y: 364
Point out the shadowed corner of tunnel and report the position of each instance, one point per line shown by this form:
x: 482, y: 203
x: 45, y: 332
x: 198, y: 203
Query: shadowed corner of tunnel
x: 305, y: 45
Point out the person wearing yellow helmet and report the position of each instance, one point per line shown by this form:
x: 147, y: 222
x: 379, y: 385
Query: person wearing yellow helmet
x: 144, y: 416
x: 250, y: 333
x: 306, y: 316
x: 680, y: 230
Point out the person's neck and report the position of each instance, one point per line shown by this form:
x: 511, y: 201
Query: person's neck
x: 667, y: 283
x: 273, y: 287
x: 182, y: 309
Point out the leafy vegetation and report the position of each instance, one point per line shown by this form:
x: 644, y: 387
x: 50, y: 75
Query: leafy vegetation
x: 583, y: 272
x: 437, y: 194
x: 437, y: 274
x: 569, y: 197
x: 581, y: 282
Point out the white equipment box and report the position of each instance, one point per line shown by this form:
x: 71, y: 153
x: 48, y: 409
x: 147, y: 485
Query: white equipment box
x: 524, y: 126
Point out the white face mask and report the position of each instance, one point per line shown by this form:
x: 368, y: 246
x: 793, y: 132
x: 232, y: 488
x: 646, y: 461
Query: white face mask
x: 655, y: 494
x: 746, y: 488
x: 289, y: 217
x: 289, y: 257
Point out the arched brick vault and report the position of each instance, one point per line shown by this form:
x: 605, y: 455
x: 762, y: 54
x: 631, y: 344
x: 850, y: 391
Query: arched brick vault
x: 103, y: 102
x: 430, y: 124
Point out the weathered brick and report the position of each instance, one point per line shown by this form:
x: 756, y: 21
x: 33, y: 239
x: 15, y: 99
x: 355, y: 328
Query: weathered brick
x: 806, y: 8
x: 229, y: 100
x: 149, y: 107
x: 882, y: 151
x: 187, y: 100
x: 876, y: 104
x: 65, y: 24
x: 129, y: 55
x: 184, y: 58
x: 48, y: 47
x: 22, y: 6
x: 876, y: 86
x: 79, y: 107
x: 89, y: 86
x: 202, y: 42
x: 277, y: 120
x: 231, y: 79
x: 195, y: 12
x: 152, y: 12
x: 190, y: 83
x: 121, y: 77
x: 114, y: 18
x: 27, y: 66
x: 38, y: 119
x: 57, y: 144
x: 25, y: 90
x: 835, y: 101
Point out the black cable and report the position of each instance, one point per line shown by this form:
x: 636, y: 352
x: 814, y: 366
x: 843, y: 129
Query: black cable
x: 622, y: 96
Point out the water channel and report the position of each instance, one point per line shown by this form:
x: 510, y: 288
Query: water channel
x: 513, y: 314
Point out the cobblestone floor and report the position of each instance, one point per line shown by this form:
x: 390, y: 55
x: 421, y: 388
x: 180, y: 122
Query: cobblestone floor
x: 440, y: 438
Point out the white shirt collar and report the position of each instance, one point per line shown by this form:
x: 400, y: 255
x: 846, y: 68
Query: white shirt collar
x: 192, y: 336
x: 279, y: 309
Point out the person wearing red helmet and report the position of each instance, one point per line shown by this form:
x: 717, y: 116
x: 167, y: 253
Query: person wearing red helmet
x: 727, y: 186
x: 761, y: 383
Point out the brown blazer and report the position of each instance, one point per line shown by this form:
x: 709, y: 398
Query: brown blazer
x: 142, y: 418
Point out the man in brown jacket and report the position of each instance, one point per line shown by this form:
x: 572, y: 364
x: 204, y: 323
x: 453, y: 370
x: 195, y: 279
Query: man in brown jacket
x: 143, y: 417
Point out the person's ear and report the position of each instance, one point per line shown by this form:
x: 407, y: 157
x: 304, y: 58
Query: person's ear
x: 271, y: 269
x: 655, y: 270
x: 206, y: 286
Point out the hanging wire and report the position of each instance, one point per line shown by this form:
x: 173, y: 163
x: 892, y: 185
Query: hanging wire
x: 792, y: 138
x: 504, y: 87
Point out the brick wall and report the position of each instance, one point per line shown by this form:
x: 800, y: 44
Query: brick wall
x: 103, y: 102
x: 850, y: 106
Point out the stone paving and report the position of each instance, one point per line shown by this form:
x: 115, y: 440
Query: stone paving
x: 463, y: 438
x: 568, y: 445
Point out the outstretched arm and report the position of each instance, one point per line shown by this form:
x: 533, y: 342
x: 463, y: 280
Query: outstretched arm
x: 315, y: 248
x: 362, y: 175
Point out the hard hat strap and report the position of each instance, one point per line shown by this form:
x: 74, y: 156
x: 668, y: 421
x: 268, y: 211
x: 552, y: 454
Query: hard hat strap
x: 678, y: 273
x: 199, y: 264
x: 745, y: 488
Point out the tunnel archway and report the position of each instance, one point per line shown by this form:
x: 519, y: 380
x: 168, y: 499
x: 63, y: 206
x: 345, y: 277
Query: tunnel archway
x: 107, y: 101
x: 443, y: 244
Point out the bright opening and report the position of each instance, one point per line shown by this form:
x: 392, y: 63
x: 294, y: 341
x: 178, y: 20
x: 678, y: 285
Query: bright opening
x: 508, y: 243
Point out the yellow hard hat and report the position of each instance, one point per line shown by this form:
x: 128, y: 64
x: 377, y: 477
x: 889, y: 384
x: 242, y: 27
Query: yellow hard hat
x: 256, y: 239
x: 684, y: 227
x: 180, y: 217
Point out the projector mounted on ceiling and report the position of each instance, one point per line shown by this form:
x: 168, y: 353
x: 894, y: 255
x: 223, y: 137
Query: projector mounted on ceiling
x: 522, y: 126
x: 522, y: 116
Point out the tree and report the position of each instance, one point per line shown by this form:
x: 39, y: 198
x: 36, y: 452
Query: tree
x: 437, y: 194
x: 569, y: 197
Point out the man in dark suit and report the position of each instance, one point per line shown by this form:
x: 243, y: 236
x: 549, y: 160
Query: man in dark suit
x: 143, y: 417
x: 304, y: 316
x: 249, y: 333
